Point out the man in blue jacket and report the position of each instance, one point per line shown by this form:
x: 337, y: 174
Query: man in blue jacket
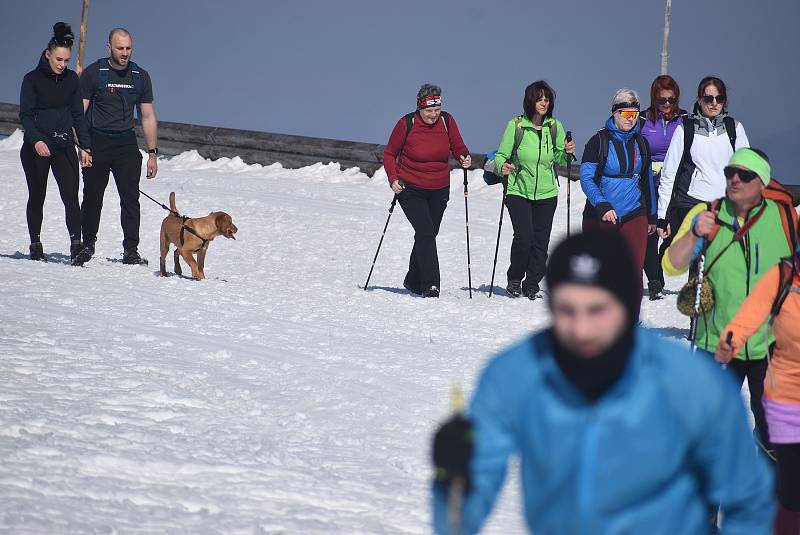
x: 595, y: 408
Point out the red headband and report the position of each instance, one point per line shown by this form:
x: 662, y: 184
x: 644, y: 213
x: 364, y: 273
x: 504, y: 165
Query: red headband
x: 427, y: 102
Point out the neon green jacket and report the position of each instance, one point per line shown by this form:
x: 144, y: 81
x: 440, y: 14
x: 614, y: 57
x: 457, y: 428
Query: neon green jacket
x: 534, y: 177
x: 737, y: 271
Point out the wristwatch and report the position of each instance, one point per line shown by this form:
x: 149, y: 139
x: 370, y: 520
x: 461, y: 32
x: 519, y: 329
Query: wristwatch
x: 153, y: 151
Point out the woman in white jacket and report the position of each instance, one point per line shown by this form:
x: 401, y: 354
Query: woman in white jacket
x: 695, y: 175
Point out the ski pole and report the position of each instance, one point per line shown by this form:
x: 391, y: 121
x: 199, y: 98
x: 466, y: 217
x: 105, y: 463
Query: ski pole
x: 569, y: 179
x: 391, y: 209
x: 466, y: 216
x: 697, y: 294
x: 497, y: 246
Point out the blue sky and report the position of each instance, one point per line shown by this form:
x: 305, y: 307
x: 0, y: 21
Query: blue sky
x: 349, y: 69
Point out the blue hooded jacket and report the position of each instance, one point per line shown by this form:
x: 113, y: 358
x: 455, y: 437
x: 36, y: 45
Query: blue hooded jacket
x: 624, y: 185
x: 652, y: 455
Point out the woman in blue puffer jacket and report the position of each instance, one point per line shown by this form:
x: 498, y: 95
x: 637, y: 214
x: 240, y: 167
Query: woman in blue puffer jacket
x: 619, y: 183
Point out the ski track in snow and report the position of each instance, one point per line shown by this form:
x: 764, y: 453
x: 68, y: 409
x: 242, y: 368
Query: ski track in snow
x: 276, y: 396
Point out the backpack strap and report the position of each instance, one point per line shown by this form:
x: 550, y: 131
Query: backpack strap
x: 712, y: 206
x: 786, y: 272
x: 644, y: 150
x: 730, y: 129
x: 410, y: 124
x: 604, y: 137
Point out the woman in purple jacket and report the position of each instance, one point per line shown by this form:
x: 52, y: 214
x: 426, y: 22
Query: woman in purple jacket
x: 657, y: 125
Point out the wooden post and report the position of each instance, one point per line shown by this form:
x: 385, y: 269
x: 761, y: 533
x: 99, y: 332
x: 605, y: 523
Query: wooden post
x: 82, y: 45
x: 664, y: 46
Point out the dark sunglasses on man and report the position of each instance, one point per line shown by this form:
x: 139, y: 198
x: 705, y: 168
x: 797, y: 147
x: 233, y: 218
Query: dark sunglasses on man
x: 745, y: 175
x: 708, y: 99
x: 668, y: 100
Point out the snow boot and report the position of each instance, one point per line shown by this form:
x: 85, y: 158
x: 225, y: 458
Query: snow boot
x: 532, y: 292
x: 131, y: 257
x: 37, y: 251
x: 433, y: 291
x: 514, y: 288
x: 83, y: 255
x: 411, y: 287
x: 655, y: 290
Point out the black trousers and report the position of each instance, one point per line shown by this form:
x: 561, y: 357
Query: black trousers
x: 424, y: 209
x: 675, y: 217
x: 532, y: 222
x: 120, y: 156
x: 788, y: 475
x: 64, y: 163
x: 755, y: 371
x: 652, y: 260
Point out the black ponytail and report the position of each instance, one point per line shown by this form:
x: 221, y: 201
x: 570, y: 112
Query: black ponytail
x: 62, y: 36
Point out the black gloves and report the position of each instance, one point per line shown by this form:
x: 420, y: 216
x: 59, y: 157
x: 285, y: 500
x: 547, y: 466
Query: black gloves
x: 452, y: 451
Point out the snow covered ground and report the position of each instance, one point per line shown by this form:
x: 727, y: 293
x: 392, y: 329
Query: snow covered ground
x: 274, y: 397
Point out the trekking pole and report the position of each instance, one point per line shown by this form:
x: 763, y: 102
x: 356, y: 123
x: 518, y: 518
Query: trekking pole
x: 569, y: 179
x: 391, y: 209
x: 497, y: 246
x: 697, y: 294
x: 466, y: 215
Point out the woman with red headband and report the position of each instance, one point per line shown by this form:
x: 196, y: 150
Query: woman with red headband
x: 416, y: 163
x: 776, y: 297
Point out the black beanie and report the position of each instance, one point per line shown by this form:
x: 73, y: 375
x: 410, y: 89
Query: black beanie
x: 597, y: 258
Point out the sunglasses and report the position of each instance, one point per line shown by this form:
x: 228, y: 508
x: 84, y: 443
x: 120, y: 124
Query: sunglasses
x: 668, y: 100
x: 745, y: 175
x: 629, y: 115
x: 720, y: 99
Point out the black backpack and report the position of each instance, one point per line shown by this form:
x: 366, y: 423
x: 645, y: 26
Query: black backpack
x: 605, y: 138
x: 686, y: 167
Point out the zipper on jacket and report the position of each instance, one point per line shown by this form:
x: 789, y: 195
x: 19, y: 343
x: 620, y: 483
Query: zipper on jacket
x: 538, y: 159
x: 587, y: 462
x: 756, y: 257
x: 746, y: 252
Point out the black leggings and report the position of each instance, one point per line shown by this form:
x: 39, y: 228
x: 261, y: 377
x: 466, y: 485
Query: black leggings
x: 532, y: 222
x: 788, y: 475
x: 64, y: 163
x: 424, y: 209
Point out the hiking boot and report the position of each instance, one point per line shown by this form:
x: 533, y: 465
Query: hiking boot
x: 83, y: 255
x: 75, y: 247
x: 655, y: 290
x: 433, y: 291
x: 514, y: 288
x: 532, y: 292
x: 37, y: 251
x: 131, y: 257
x: 413, y: 288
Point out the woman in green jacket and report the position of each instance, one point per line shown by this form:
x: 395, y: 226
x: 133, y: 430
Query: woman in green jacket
x: 532, y: 186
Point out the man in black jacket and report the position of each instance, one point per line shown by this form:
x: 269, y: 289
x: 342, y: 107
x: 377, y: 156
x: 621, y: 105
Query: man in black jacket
x: 112, y: 87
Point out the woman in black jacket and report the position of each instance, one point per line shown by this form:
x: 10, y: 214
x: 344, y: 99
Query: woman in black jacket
x: 50, y: 108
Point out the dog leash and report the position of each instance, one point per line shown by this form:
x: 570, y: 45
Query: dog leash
x: 183, y: 218
x: 162, y: 205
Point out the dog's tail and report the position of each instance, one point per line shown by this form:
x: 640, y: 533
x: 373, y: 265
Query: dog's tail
x: 172, y: 205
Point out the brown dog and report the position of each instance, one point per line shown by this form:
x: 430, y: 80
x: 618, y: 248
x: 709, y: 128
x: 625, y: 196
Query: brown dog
x: 192, y: 235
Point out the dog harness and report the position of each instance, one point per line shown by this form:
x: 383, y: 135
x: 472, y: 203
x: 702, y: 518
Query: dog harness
x: 185, y: 228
